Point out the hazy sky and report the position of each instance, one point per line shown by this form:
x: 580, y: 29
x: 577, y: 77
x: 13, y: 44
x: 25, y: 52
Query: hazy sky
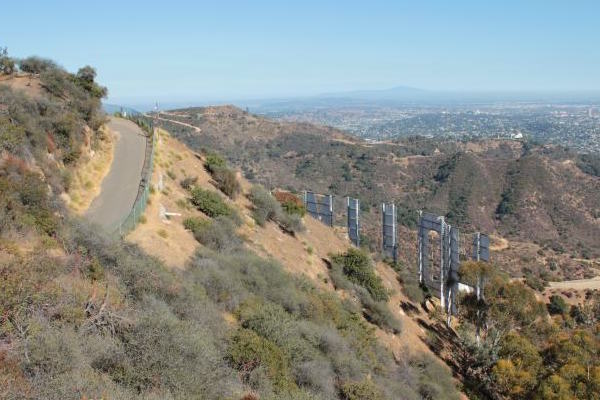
x: 183, y: 50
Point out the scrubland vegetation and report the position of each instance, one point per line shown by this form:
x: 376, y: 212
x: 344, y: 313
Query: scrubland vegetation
x: 353, y: 271
x: 224, y: 176
x: 85, y: 316
x: 268, y: 208
x: 519, y: 340
x: 478, y: 185
x: 522, y: 353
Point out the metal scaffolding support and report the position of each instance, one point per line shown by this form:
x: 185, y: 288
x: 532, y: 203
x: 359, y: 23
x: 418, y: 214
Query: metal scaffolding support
x: 481, y: 247
x: 389, y: 235
x: 447, y: 286
x: 319, y: 206
x: 353, y: 209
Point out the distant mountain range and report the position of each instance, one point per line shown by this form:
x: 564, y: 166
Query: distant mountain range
x: 395, y: 96
x: 404, y: 95
x: 397, y: 92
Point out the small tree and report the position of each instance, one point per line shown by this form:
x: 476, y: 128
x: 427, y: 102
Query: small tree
x: 358, y: 267
x: 7, y: 64
x: 477, y: 274
x: 36, y: 65
x: 210, y: 203
x: 267, y: 208
x: 557, y: 305
x: 227, y: 181
x: 85, y: 78
x: 86, y: 74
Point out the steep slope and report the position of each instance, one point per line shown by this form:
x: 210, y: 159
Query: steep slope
x: 85, y: 316
x: 306, y: 254
x: 553, y: 202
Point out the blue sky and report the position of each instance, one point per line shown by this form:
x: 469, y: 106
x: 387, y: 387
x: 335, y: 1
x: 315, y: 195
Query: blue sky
x: 215, y: 50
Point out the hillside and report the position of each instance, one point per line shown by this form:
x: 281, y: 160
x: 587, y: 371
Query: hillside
x: 517, y: 324
x: 83, y: 315
x: 305, y: 254
x: 227, y: 291
x: 528, y: 195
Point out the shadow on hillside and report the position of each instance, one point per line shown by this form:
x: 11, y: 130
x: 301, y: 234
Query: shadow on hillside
x: 409, y: 308
x: 444, y: 342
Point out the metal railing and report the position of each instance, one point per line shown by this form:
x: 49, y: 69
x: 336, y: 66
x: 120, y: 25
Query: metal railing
x: 128, y: 223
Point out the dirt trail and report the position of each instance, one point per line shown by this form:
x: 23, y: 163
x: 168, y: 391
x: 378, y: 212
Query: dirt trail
x: 195, y: 128
x: 577, y: 284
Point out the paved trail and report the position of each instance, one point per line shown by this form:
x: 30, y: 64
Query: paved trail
x: 120, y: 187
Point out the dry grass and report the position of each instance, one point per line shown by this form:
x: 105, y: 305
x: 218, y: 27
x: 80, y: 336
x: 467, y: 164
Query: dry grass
x: 178, y: 246
x: 87, y: 178
x: 26, y: 83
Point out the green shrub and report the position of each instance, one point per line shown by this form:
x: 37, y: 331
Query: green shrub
x: 193, y: 223
x: 363, y: 390
x: 407, y: 216
x: 290, y: 203
x: 557, y: 305
x: 434, y: 382
x: 94, y: 270
x: 214, y: 161
x: 224, y: 177
x: 358, y: 267
x: 24, y: 200
x: 226, y: 181
x: 535, y: 282
x: 410, y: 285
x: 188, y: 182
x: 210, y: 203
x: 378, y: 312
x: 50, y: 352
x: 293, y: 208
x: 12, y: 136
x: 36, y: 65
x: 163, y: 352
x: 248, y: 352
x: 218, y: 234
x: 353, y: 270
x: 7, y: 64
x: 85, y: 79
x: 267, y: 208
x: 291, y: 223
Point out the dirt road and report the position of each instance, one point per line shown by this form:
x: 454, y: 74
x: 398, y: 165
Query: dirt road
x: 176, y: 122
x: 120, y: 187
x: 578, y: 284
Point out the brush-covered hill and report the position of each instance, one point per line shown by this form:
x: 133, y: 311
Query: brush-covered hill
x: 226, y: 291
x: 522, y: 352
x: 544, y: 199
x: 84, y: 315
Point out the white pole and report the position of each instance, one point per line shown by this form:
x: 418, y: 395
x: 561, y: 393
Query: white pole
x: 442, y: 264
x: 420, y: 248
x: 357, y: 204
